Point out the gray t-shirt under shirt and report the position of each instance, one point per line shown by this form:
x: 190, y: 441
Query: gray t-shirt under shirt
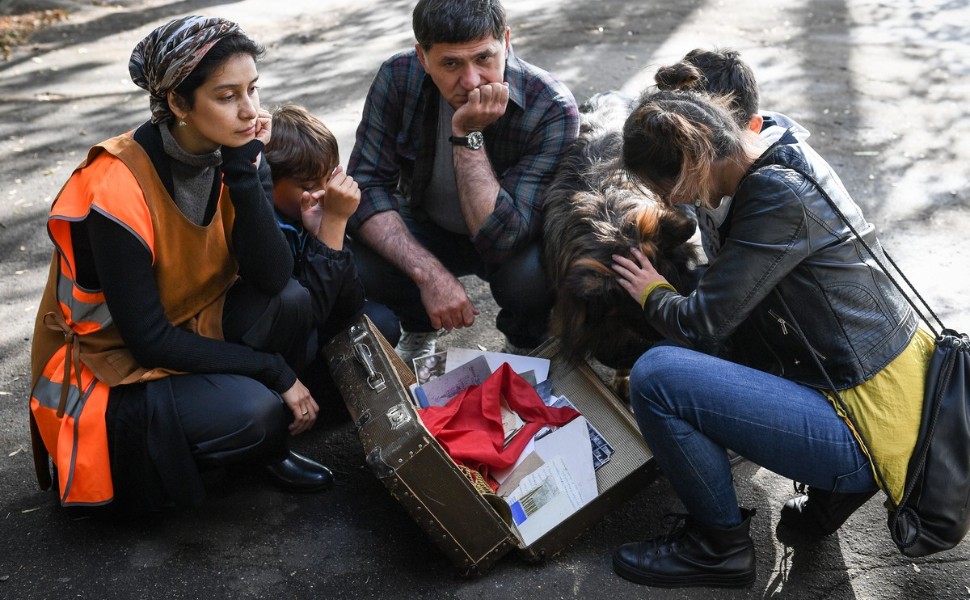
x: 441, y: 202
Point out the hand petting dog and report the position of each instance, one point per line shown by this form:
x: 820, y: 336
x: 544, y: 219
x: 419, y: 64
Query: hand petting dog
x: 636, y: 277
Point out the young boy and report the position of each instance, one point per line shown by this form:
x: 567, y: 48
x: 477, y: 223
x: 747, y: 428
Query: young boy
x: 723, y: 72
x: 313, y: 199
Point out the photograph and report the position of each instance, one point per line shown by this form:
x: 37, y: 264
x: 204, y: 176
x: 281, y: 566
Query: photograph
x: 429, y: 367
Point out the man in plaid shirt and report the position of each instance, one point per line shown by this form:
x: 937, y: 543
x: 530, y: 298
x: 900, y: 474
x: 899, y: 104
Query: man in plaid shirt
x: 457, y: 143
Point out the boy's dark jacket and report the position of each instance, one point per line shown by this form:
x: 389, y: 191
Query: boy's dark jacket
x: 330, y: 276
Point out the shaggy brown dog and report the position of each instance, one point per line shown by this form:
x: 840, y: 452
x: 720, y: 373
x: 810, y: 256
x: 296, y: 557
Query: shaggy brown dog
x: 593, y: 211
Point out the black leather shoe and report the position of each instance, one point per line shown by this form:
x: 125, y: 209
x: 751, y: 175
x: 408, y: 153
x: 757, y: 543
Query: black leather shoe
x: 819, y: 512
x: 297, y: 473
x: 691, y: 555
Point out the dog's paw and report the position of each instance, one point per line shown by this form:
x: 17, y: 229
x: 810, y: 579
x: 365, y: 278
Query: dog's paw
x: 621, y: 384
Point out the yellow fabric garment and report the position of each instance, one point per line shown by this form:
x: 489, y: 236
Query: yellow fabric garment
x: 652, y: 287
x: 888, y: 409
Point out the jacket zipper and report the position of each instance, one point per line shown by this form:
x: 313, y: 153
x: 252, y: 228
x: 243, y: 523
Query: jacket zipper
x: 784, y: 331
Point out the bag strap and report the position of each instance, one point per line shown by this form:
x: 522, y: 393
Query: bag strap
x: 911, y: 288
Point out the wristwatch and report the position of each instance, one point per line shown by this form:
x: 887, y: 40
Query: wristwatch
x: 472, y: 141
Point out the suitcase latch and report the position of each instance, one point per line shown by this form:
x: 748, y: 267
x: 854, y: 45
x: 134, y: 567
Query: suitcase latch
x: 358, y: 331
x: 398, y: 415
x: 375, y: 380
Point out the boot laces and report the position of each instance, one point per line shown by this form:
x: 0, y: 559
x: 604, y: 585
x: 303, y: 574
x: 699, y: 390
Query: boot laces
x: 677, y: 525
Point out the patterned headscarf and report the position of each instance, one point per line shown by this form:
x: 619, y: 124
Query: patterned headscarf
x: 161, y: 61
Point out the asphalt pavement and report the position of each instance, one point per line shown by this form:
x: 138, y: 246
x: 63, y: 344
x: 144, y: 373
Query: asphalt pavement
x: 882, y: 86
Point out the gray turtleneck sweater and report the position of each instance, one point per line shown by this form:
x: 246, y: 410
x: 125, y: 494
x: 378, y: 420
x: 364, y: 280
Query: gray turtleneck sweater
x: 191, y: 176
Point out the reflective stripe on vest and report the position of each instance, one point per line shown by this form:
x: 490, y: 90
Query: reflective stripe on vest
x: 86, y: 311
x: 48, y: 394
x: 61, y: 434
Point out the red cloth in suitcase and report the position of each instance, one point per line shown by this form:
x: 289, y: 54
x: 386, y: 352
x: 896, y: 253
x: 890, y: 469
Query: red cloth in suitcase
x: 470, y: 428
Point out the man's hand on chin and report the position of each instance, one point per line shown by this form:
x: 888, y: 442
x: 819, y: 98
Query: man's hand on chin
x: 486, y: 104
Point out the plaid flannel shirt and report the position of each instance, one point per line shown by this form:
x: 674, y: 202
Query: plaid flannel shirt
x: 394, y: 151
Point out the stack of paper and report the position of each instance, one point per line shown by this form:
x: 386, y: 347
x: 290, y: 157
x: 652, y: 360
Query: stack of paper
x: 553, y: 479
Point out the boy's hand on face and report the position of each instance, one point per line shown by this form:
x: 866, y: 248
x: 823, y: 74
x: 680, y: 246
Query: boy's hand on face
x: 311, y: 210
x: 486, y: 104
x: 342, y: 195
x: 325, y: 211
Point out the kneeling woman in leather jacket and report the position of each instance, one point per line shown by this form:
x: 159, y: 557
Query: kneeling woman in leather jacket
x: 735, y: 373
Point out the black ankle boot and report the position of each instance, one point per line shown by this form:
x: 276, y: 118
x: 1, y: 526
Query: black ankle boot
x: 691, y: 555
x: 820, y: 512
x: 297, y: 473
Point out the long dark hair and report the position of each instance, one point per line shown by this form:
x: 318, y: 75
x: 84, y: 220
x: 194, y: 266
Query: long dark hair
x: 672, y: 139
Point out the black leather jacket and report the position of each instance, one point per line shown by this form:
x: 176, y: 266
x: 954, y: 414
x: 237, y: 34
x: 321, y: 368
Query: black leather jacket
x: 781, y: 235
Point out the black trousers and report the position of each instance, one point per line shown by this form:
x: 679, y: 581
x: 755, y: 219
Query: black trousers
x: 286, y: 324
x: 162, y: 433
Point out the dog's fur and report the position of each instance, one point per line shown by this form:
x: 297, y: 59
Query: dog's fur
x: 593, y: 210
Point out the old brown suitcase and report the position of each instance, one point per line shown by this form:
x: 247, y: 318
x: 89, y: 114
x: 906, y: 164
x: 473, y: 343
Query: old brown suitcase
x: 466, y: 524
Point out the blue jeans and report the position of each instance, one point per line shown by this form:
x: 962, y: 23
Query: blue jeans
x: 691, y: 407
x: 518, y: 285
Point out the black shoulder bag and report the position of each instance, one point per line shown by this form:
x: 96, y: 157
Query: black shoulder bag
x: 934, y: 513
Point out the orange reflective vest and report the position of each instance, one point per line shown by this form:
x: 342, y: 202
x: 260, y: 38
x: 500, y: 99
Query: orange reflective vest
x: 77, y: 354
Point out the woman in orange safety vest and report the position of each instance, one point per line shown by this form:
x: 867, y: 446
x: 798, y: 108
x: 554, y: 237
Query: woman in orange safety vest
x: 167, y: 334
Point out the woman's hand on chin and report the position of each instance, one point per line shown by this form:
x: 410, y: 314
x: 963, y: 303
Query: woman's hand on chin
x: 264, y: 126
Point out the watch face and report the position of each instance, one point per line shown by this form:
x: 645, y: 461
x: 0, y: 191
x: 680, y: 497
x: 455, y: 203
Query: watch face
x: 475, y: 140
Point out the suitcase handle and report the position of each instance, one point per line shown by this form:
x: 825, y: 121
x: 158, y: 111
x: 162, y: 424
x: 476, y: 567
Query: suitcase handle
x: 375, y: 380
